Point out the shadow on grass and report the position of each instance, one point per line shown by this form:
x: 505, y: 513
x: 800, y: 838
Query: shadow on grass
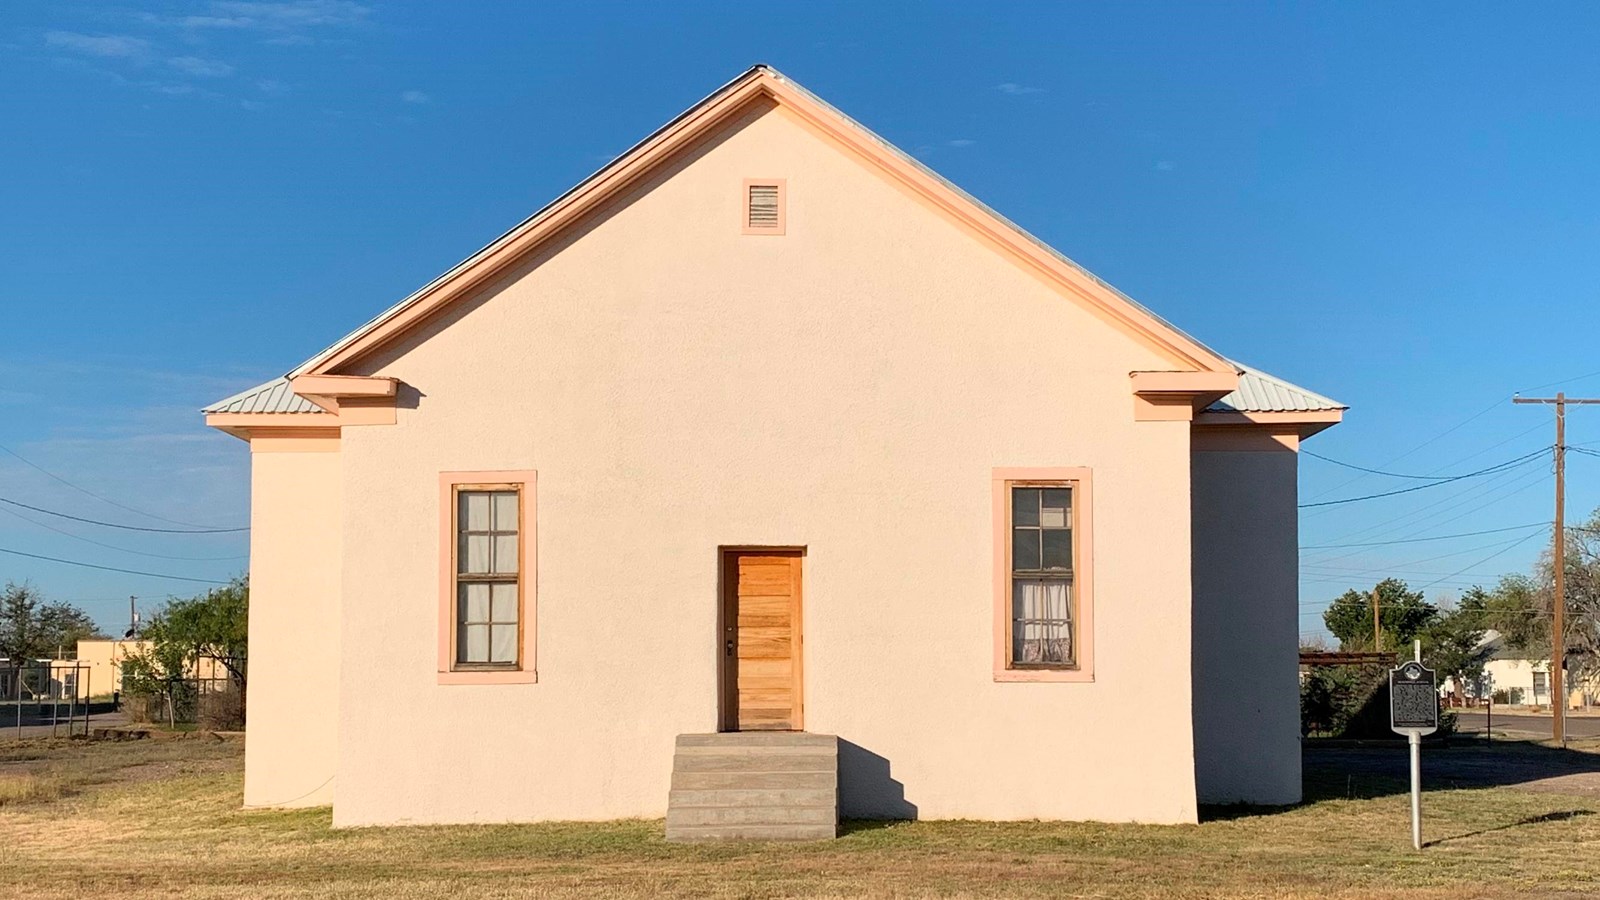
x: 1382, y: 770
x: 859, y: 826
x: 1562, y: 816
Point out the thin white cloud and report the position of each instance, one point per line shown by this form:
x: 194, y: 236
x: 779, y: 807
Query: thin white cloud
x: 960, y: 142
x: 271, y: 86
x: 293, y: 13
x: 267, y: 15
x: 417, y: 97
x: 200, y: 68
x: 1011, y: 87
x: 1165, y: 165
x: 106, y: 46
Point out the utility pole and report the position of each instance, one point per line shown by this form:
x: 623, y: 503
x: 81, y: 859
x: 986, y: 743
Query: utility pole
x: 1558, y: 626
x: 1377, y: 636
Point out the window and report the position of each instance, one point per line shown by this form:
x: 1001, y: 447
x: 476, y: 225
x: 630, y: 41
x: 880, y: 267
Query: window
x: 1043, y: 614
x: 1041, y: 575
x: 486, y: 561
x: 764, y: 206
x: 488, y: 523
x: 1541, y: 685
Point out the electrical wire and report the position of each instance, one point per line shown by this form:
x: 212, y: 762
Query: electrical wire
x: 1472, y: 499
x: 73, y: 562
x: 83, y: 490
x: 1482, y: 561
x: 1521, y: 460
x: 79, y: 537
x: 60, y: 515
x: 1329, y: 459
x: 1418, y: 540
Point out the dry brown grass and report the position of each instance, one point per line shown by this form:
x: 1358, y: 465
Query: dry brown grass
x: 149, y: 820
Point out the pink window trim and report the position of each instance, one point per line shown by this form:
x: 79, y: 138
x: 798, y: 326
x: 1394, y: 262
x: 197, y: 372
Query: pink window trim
x: 528, y: 585
x: 782, y: 184
x: 1083, y: 571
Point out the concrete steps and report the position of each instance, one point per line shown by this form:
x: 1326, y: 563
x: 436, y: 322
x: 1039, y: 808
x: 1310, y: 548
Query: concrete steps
x: 754, y: 786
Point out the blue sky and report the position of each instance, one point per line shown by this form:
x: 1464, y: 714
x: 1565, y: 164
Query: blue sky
x: 1390, y: 205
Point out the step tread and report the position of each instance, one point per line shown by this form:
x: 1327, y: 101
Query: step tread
x: 752, y: 832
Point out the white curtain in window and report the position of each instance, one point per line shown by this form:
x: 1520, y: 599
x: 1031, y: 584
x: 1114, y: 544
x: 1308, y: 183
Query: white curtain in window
x: 1042, y: 621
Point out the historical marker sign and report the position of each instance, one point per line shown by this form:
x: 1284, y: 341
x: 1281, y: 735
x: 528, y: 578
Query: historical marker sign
x: 1413, y: 699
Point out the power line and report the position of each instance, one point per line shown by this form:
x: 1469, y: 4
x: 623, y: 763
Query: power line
x: 1451, y: 430
x: 51, y: 512
x: 83, y: 490
x: 1440, y: 537
x: 73, y: 562
x: 1475, y: 498
x: 1482, y: 561
x: 1336, y: 462
x: 79, y: 537
x: 1491, y: 470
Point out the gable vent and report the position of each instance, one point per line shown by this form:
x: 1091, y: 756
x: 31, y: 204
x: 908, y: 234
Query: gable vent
x: 764, y: 207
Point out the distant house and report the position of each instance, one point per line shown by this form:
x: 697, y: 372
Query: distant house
x: 766, y: 427
x: 103, y: 659
x: 1512, y: 676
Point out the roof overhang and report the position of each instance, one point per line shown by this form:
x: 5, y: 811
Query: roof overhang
x: 344, y: 399
x: 762, y: 84
x: 1178, y: 396
x: 1233, y: 430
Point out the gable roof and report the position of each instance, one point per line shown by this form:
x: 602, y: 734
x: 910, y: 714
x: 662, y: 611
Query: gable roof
x: 1257, y: 391
x: 1260, y: 392
x: 758, y: 83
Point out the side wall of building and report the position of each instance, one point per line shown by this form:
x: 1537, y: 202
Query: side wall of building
x: 291, y: 741
x: 1246, y: 626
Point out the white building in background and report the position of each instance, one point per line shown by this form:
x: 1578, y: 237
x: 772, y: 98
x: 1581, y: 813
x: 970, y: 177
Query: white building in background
x: 1525, y: 681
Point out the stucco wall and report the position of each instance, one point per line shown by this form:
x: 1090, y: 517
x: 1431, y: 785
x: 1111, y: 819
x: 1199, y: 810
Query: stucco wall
x: 848, y: 388
x: 1246, y: 627
x: 292, y: 721
x: 104, y: 659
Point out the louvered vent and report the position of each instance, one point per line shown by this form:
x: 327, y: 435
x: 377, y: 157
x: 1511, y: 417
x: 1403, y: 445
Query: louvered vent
x: 763, y: 206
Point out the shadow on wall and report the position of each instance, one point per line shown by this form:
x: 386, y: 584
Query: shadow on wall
x: 866, y: 790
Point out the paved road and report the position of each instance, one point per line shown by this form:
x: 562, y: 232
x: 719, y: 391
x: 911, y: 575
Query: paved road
x: 1472, y: 721
x: 8, y: 728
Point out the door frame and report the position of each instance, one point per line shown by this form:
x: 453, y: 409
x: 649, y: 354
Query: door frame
x: 728, y: 624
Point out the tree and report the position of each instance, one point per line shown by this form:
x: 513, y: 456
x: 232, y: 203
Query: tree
x: 213, y: 625
x: 1402, y: 615
x: 31, y: 628
x: 1454, y: 641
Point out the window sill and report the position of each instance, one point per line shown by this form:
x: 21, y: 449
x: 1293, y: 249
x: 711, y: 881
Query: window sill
x: 490, y: 676
x: 1080, y: 675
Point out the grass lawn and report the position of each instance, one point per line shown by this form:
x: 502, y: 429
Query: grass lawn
x: 162, y: 819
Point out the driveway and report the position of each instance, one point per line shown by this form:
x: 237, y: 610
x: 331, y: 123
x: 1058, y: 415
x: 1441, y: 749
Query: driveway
x: 1472, y: 721
x: 9, y: 731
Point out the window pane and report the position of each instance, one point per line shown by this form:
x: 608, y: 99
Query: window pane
x: 1057, y: 548
x: 474, y: 514
x: 1057, y: 498
x: 504, y: 644
x: 1024, y: 506
x: 505, y: 603
x: 1025, y: 548
x: 505, y: 553
x: 474, y: 646
x: 1041, y: 622
x: 473, y: 556
x: 474, y: 603
x: 505, y: 511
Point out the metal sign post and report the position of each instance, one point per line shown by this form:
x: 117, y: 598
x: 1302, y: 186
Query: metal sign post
x: 1414, y: 712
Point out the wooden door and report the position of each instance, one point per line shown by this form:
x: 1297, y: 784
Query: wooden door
x: 761, y: 640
